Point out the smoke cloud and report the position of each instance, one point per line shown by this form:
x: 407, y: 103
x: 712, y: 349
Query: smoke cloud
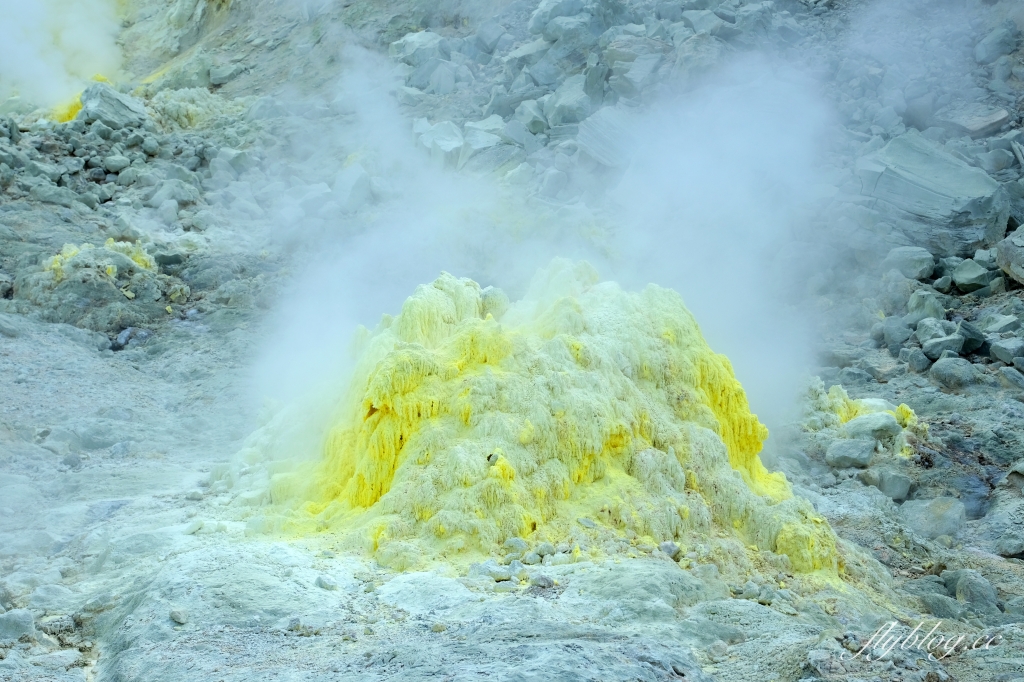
x: 719, y: 180
x: 50, y: 48
x: 722, y: 185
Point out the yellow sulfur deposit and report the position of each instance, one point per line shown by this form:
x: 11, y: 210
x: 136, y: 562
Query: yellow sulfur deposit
x: 67, y: 111
x: 138, y: 255
x: 62, y: 113
x: 470, y: 421
x: 134, y: 251
x: 835, y: 407
x: 57, y: 263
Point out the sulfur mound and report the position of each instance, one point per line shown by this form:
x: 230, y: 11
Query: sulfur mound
x: 831, y: 410
x: 104, y: 288
x: 583, y: 412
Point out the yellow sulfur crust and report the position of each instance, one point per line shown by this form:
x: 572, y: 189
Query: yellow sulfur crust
x: 467, y: 424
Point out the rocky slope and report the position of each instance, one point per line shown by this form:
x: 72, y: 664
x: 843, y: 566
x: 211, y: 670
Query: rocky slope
x: 281, y: 171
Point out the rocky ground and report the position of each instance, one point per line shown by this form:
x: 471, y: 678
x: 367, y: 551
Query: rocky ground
x: 280, y: 171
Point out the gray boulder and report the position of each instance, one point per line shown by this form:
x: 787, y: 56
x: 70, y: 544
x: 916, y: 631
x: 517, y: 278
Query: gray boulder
x: 954, y: 373
x: 606, y: 137
x: 917, y: 361
x: 934, y: 348
x: 102, y: 103
x: 639, y: 76
x: 1012, y: 377
x: 972, y: 118
x: 1015, y: 476
x: 913, y: 261
x: 923, y: 304
x: 702, y: 21
x: 943, y: 607
x: 973, y: 337
x: 1011, y: 543
x: 986, y: 258
x: 569, y: 103
x: 62, y: 196
x: 416, y: 49
x: 530, y: 114
x: 843, y: 454
x: 1008, y: 349
x: 224, y: 73
x: 550, y: 9
x: 881, y: 368
x: 576, y: 31
x: 893, y: 484
x: 973, y: 589
x: 352, y: 188
x: 895, y: 332
x: 875, y: 426
x: 696, y: 57
x: 935, y: 199
x: 444, y: 141
x: 969, y: 276
x: 1010, y: 255
x: 935, y: 517
x: 116, y: 163
x: 421, y: 76
x: 931, y: 328
x: 995, y: 160
x: 474, y: 142
x: 173, y: 190
x: 16, y: 623
x: 1003, y: 40
x: 488, y: 34
x: 1000, y: 324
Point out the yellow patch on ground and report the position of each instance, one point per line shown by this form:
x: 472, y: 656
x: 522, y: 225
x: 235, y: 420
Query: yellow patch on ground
x: 136, y: 252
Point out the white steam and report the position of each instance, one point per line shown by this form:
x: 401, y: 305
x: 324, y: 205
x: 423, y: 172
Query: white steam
x: 723, y: 182
x: 50, y: 48
x: 718, y: 179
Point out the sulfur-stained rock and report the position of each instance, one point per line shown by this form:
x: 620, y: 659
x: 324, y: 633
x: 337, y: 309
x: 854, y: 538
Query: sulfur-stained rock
x: 441, y: 329
x: 102, y: 103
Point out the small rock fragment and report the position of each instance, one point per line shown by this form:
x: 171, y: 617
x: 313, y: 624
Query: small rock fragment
x: 934, y: 348
x: 516, y: 544
x: 542, y: 581
x: 1008, y: 349
x: 917, y: 361
x: 670, y: 549
x: 969, y: 276
x: 874, y: 426
x: 893, y: 484
x: 843, y: 454
x: 913, y: 261
x: 1012, y: 377
x: 16, y: 623
x: 935, y: 517
x: 326, y: 582
x: 954, y: 373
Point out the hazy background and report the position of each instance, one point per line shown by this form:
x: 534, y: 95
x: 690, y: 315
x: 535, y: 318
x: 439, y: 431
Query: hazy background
x: 50, y: 48
x: 720, y: 175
